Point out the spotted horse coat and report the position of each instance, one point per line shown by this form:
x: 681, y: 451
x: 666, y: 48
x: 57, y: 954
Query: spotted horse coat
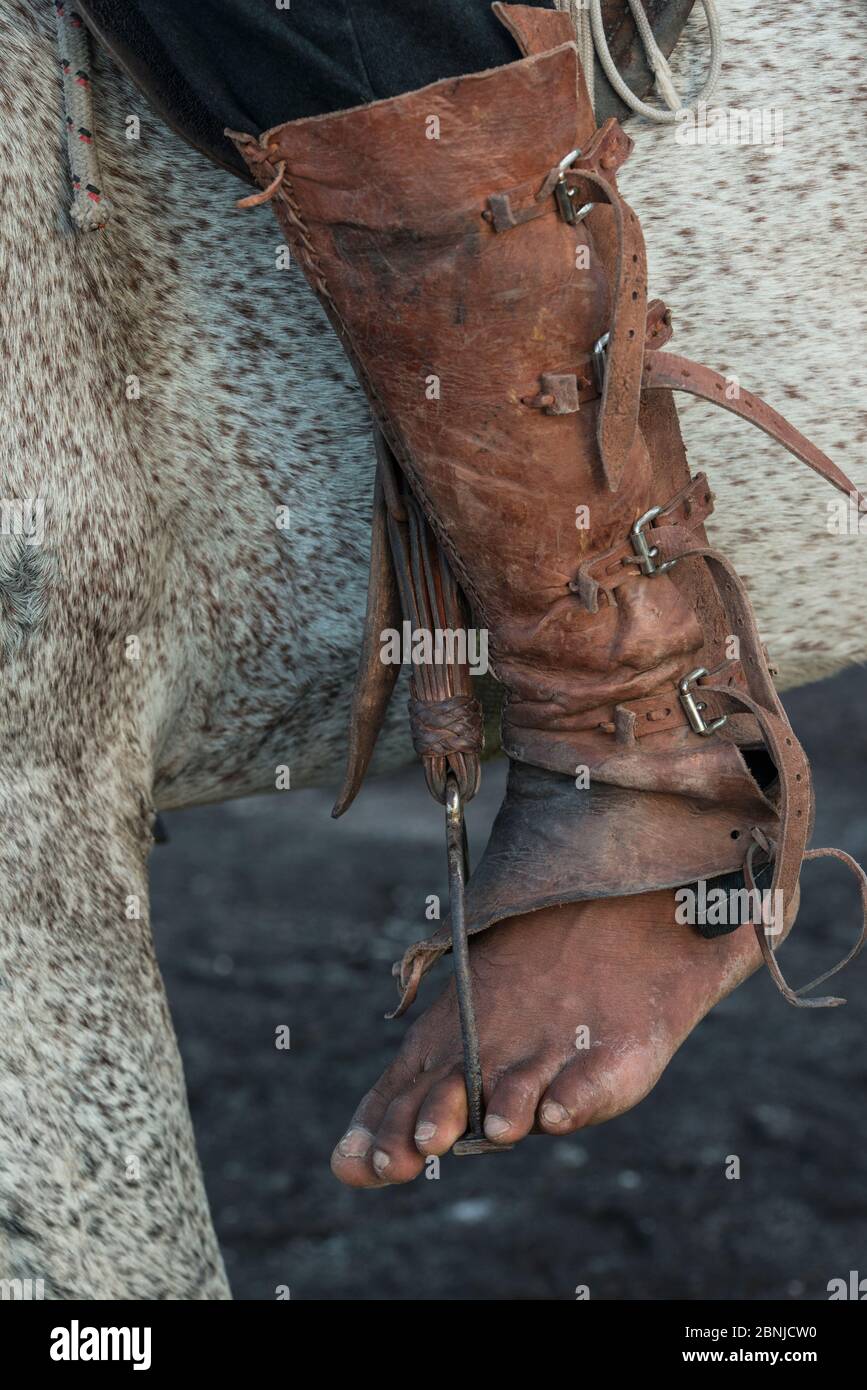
x: 174, y: 641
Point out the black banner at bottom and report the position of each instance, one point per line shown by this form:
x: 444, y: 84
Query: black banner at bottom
x: 157, y: 1339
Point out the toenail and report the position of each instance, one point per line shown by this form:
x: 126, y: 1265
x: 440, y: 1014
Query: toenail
x: 355, y: 1143
x: 380, y: 1161
x: 425, y: 1132
x: 554, y: 1114
x: 496, y: 1126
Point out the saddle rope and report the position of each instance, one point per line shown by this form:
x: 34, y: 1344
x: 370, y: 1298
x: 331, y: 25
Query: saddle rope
x: 89, y: 210
x: 580, y: 16
x: 590, y: 32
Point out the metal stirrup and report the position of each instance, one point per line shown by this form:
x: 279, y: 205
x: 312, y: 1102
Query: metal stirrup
x: 474, y: 1141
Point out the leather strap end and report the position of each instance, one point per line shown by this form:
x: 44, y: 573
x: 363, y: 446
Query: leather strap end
x: 374, y: 681
x: 535, y: 30
x: 587, y: 590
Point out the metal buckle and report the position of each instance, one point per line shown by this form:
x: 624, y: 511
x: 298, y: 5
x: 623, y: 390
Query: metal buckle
x: 647, y: 553
x: 564, y: 194
x: 694, y: 707
x: 599, y: 359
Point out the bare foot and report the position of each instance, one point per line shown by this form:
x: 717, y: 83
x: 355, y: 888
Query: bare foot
x: 580, y: 1008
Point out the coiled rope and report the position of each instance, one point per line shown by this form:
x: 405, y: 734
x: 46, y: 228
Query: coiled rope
x: 590, y: 34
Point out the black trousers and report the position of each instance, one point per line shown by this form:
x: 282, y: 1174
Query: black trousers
x: 246, y: 64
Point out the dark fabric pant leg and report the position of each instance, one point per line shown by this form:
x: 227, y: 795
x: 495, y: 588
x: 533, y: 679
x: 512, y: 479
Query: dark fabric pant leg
x: 209, y: 64
x: 403, y: 46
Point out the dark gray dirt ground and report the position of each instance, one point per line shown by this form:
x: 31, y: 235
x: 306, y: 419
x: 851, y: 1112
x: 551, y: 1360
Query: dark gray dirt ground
x: 267, y: 912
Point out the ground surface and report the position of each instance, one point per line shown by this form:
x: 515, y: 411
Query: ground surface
x: 268, y: 913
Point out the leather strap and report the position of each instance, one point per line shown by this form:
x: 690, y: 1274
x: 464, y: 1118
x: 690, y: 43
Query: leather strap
x: 742, y: 624
x: 375, y: 679
x: 659, y: 329
x: 535, y: 30
x: 796, y: 801
x: 634, y: 719
x: 670, y: 533
x: 795, y: 787
x: 621, y: 394
x: 796, y: 996
x: 671, y: 372
x: 445, y: 718
x: 656, y: 714
x: 607, y: 152
x: 563, y: 393
x: 592, y: 177
x: 761, y: 700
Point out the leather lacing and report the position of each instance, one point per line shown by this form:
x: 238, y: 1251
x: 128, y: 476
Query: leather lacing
x: 441, y: 728
x: 262, y: 154
x: 446, y: 720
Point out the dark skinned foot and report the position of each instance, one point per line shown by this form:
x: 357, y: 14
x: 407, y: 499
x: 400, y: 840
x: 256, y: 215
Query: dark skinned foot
x: 580, y: 1008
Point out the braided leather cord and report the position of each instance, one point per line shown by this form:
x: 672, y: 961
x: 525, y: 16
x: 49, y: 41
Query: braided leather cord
x: 446, y: 719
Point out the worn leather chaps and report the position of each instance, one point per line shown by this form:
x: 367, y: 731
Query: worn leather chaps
x: 489, y: 282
